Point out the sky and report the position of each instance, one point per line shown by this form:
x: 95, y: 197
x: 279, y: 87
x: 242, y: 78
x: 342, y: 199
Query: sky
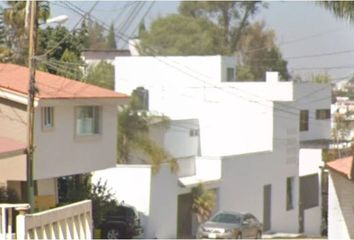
x: 304, y: 30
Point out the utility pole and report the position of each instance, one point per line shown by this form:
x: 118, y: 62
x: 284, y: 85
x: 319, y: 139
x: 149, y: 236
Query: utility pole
x: 30, y: 106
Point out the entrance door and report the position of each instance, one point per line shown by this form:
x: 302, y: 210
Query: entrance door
x: 267, y: 201
x: 184, y: 216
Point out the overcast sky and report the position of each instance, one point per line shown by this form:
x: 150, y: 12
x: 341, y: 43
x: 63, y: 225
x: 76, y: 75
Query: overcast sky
x: 303, y: 30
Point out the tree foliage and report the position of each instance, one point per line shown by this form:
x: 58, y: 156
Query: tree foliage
x: 79, y: 187
x: 111, y: 38
x: 14, y: 21
x: 63, y: 50
x: 203, y: 202
x: 218, y: 28
x: 133, y: 135
x: 258, y: 53
x: 341, y: 9
x: 101, y: 75
x: 321, y: 78
x: 181, y: 35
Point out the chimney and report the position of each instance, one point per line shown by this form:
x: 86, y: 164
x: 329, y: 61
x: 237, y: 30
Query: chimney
x: 272, y: 77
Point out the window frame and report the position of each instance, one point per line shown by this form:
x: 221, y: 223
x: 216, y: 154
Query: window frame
x: 304, y: 120
x: 47, y: 113
x: 96, y: 127
x: 323, y: 114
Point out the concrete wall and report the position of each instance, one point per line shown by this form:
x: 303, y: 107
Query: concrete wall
x: 340, y: 207
x: 163, y: 205
x: 154, y: 196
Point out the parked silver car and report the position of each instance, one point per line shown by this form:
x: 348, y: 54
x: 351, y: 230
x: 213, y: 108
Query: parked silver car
x: 227, y: 224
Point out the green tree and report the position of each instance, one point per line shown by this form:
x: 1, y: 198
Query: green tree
x: 258, y: 53
x: 96, y: 38
x: 111, y: 38
x: 203, y: 202
x: 231, y: 16
x: 181, y: 35
x: 321, y: 78
x: 213, y: 28
x: 133, y: 137
x: 79, y: 187
x: 62, y: 50
x: 101, y: 75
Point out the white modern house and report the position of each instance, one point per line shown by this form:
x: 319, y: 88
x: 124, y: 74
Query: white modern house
x: 241, y: 139
x: 74, y: 130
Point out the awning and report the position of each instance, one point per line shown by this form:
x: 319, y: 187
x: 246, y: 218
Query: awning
x: 11, y: 148
x: 194, y: 180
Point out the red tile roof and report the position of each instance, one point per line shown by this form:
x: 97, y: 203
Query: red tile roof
x: 343, y: 165
x: 10, y: 147
x: 50, y: 86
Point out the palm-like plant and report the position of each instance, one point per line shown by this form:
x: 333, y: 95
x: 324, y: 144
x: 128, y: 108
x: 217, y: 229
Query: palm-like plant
x: 14, y: 19
x: 341, y: 9
x: 203, y: 202
x: 133, y: 135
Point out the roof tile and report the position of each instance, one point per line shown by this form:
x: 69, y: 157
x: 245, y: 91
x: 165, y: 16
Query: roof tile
x: 50, y: 86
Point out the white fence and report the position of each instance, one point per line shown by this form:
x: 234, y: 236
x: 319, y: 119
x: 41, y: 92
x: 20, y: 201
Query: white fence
x: 72, y: 221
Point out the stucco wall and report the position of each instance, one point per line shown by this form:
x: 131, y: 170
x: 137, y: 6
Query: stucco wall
x: 227, y: 111
x: 163, y: 205
x: 310, y: 161
x: 241, y: 189
x: 313, y: 96
x: 340, y: 207
x: 59, y: 152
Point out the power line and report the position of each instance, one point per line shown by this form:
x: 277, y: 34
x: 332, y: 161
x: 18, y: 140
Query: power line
x: 71, y: 31
x: 187, y: 73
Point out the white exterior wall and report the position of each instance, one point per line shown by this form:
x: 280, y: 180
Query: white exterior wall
x: 340, y: 207
x: 196, y: 90
x: 154, y: 196
x: 59, y: 152
x: 175, y: 137
x: 312, y: 96
x: 163, y: 205
x: 242, y: 188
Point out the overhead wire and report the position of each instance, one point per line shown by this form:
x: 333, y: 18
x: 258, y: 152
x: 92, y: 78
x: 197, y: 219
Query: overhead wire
x: 123, y: 37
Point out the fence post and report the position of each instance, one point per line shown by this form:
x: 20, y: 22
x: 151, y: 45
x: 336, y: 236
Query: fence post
x: 21, y: 230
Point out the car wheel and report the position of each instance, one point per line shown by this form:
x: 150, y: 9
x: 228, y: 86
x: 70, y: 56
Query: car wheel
x: 113, y: 233
x: 259, y: 235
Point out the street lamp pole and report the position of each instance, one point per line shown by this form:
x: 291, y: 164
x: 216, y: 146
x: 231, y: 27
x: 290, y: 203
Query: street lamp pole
x: 30, y: 106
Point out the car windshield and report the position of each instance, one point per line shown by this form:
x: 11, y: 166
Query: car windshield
x: 226, y: 218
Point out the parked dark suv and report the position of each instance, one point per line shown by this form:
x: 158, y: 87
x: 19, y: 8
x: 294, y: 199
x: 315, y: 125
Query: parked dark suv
x: 123, y: 222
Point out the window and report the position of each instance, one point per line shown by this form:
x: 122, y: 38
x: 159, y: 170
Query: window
x: 142, y: 98
x: 323, y: 114
x: 230, y: 74
x: 47, y: 117
x: 304, y: 120
x: 290, y: 193
x: 87, y: 120
x: 194, y: 132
